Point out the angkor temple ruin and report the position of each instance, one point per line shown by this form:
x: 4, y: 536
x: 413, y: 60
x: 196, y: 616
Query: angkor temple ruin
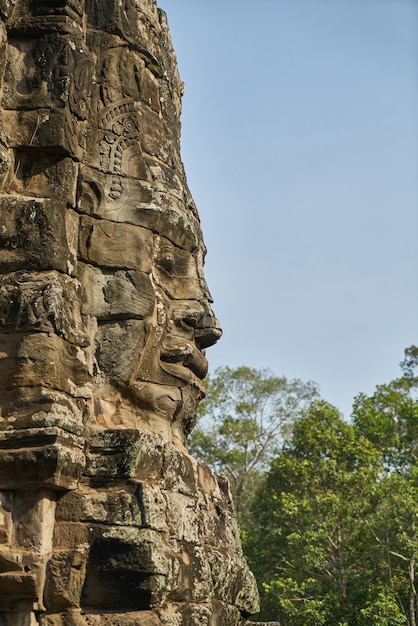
x: 105, y: 519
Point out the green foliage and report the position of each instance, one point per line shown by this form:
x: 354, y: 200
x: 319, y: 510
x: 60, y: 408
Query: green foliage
x: 307, y: 543
x: 383, y: 610
x: 409, y: 365
x: 389, y: 418
x: 332, y: 536
x: 328, y: 509
x: 243, y: 419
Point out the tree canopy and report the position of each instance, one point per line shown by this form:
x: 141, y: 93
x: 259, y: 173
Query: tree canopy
x: 328, y: 508
x: 307, y: 544
x: 245, y: 416
x: 333, y: 535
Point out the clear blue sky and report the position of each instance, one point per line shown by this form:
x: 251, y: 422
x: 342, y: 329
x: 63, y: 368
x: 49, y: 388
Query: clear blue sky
x: 300, y: 141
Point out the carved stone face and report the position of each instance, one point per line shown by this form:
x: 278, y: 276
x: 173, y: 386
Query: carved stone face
x: 93, y: 127
x: 150, y: 354
x: 141, y: 251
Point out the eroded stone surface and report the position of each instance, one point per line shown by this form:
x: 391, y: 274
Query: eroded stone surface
x: 104, y: 320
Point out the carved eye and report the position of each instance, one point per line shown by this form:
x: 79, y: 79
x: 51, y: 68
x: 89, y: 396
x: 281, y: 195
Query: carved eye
x: 166, y: 261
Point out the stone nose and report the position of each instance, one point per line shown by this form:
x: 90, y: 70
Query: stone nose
x: 207, y: 330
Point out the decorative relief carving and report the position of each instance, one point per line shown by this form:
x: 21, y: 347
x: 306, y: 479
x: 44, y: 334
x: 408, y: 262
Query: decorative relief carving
x: 52, y: 8
x: 49, y: 71
x: 42, y: 16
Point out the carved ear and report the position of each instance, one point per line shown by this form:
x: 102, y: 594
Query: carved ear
x: 80, y: 87
x: 89, y: 196
x: 133, y: 164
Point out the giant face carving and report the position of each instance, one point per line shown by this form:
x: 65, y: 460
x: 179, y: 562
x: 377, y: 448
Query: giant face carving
x: 154, y: 322
x: 120, y: 228
x: 141, y: 253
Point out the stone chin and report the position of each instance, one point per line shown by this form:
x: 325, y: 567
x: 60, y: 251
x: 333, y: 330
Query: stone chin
x: 162, y: 396
x: 169, y: 403
x: 168, y: 411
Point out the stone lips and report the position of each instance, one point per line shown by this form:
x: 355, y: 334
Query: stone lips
x: 105, y: 317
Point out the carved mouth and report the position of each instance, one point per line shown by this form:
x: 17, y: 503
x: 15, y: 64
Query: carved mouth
x: 177, y: 354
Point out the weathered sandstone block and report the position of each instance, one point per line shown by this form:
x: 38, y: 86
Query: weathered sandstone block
x: 37, y: 234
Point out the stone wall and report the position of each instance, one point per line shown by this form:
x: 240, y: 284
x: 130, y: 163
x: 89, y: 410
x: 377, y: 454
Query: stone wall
x: 105, y: 317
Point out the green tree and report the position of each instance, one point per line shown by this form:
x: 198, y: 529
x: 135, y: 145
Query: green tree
x: 243, y: 419
x: 389, y: 419
x: 393, y: 523
x: 309, y: 545
x: 409, y: 365
x: 333, y: 538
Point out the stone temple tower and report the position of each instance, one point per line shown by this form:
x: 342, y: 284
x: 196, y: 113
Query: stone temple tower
x: 105, y: 316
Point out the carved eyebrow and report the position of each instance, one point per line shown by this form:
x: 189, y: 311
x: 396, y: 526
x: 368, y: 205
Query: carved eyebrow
x: 180, y: 263
x: 165, y: 246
